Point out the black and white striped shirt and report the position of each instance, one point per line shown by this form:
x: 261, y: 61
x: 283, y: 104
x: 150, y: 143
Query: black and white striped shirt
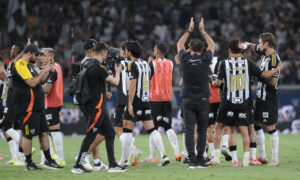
x: 265, y: 91
x: 140, y: 70
x: 235, y: 74
x: 122, y: 89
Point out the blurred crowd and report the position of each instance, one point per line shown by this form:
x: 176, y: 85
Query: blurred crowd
x: 65, y: 24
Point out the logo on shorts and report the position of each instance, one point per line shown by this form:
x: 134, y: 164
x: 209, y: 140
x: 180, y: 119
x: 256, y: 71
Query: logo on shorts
x: 139, y: 112
x: 32, y: 131
x: 230, y: 114
x: 211, y: 115
x: 265, y: 114
x: 148, y: 112
x: 94, y: 129
x: 5, y: 110
x: 165, y: 119
x: 114, y: 115
x: 159, y: 118
x: 242, y: 115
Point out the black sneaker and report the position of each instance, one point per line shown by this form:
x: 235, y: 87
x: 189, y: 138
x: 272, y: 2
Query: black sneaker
x: 79, y: 169
x: 116, y: 168
x: 51, y: 165
x: 186, y: 160
x: 191, y: 165
x: 32, y: 166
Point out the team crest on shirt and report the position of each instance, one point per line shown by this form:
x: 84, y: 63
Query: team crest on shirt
x: 211, y: 115
x: 230, y: 114
x: 139, y: 112
x: 32, y: 131
x: 242, y: 115
x: 159, y: 118
x: 94, y: 129
x: 265, y: 114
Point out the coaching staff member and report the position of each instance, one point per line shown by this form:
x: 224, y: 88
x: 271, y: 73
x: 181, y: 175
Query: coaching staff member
x: 195, y: 93
x: 29, y: 104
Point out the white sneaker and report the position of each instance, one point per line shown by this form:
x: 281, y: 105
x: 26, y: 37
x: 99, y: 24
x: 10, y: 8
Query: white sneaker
x: 100, y: 166
x: 19, y: 163
x: 85, y: 161
x: 165, y: 161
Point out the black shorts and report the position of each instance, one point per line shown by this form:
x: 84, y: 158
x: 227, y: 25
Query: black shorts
x: 52, y: 115
x: 98, y: 122
x: 213, y: 112
x: 251, y: 115
x: 266, y: 111
x: 33, y: 124
x: 233, y: 117
x: 9, y: 114
x: 118, y: 115
x: 141, y: 113
x: 162, y: 114
x: 7, y: 125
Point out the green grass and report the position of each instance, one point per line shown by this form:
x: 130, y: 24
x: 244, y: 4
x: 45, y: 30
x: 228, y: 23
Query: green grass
x: 289, y: 155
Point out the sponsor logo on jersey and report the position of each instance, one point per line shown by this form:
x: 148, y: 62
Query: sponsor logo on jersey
x: 48, y: 117
x: 159, y: 118
x: 265, y: 114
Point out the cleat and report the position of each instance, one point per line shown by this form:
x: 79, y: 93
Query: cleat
x: 116, y: 168
x: 79, y: 169
x: 10, y: 162
x: 186, y: 160
x: 225, y: 152
x: 61, y: 163
x: 263, y: 161
x: 123, y: 164
x: 255, y: 162
x: 51, y: 165
x: 178, y: 157
x: 54, y: 157
x: 150, y: 160
x: 18, y: 163
x: 274, y: 163
x: 136, y: 158
x: 100, y: 166
x: 245, y: 163
x: 32, y: 166
x: 165, y: 161
x: 235, y: 164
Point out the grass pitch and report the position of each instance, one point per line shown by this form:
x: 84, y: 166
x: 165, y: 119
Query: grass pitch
x: 289, y: 156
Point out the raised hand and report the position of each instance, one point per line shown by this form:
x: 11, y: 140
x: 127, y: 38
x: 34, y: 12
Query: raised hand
x: 201, y: 25
x: 192, y: 24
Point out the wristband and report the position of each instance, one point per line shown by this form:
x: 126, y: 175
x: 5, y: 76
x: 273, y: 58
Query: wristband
x: 188, y: 31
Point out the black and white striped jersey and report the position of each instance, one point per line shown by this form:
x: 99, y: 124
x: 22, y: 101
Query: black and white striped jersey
x: 235, y: 74
x: 122, y: 89
x: 265, y: 91
x: 140, y: 70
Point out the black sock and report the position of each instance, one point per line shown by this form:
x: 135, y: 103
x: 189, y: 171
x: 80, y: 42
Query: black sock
x: 47, y: 155
x: 21, y: 149
x: 28, y: 159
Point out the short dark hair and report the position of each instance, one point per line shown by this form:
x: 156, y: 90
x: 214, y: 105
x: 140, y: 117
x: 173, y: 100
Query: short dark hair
x: 100, y: 46
x: 196, y: 45
x: 268, y: 37
x: 89, y: 44
x: 234, y: 46
x: 135, y: 48
x: 161, y: 47
x: 123, y: 45
x: 19, y: 47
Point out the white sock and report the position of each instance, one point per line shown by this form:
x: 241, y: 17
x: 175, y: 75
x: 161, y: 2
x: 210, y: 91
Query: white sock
x: 152, y: 148
x: 217, y: 153
x: 260, y: 141
x: 96, y: 161
x: 13, y: 149
x: 211, y: 148
x: 42, y: 157
x: 59, y: 145
x: 126, y: 142
x: 156, y: 137
x: 233, y: 155
x: 225, y: 138
x: 253, y: 153
x: 184, y: 147
x: 14, y: 135
x: 173, y: 141
x: 51, y: 146
x: 133, y: 149
x: 274, y: 138
x: 246, y: 156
